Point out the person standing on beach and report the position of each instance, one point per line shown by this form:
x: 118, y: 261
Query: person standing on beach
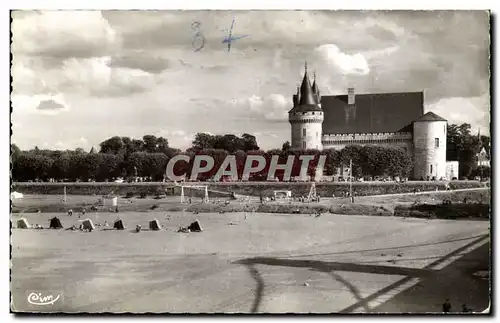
x: 447, y: 306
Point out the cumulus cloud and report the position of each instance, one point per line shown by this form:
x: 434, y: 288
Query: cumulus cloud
x: 474, y: 111
x: 86, y: 76
x: 346, y: 63
x: 63, y: 34
x: 273, y: 107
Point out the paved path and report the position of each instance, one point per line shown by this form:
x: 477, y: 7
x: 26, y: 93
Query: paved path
x: 429, y: 192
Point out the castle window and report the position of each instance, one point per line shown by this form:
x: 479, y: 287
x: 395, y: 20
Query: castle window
x: 436, y: 142
x: 431, y: 169
x: 304, y: 145
x: 304, y: 132
x: 317, y: 134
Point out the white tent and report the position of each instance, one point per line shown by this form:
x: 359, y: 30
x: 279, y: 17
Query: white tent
x: 16, y: 195
x: 109, y: 201
x: 22, y: 224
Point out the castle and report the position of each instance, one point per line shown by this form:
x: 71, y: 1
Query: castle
x: 387, y: 119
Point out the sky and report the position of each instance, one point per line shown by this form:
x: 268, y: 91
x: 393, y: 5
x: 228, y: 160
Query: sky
x: 80, y: 77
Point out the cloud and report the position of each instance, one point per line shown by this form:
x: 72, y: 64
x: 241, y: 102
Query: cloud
x: 48, y: 105
x: 86, y: 76
x: 62, y: 34
x: 273, y: 107
x: 474, y: 111
x: 142, y: 61
x: 347, y: 64
x: 44, y: 104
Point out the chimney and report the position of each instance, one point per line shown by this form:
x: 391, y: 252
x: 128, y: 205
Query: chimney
x: 350, y: 96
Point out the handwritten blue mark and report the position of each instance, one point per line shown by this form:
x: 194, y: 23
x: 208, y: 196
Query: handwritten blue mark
x: 199, y: 40
x: 227, y: 40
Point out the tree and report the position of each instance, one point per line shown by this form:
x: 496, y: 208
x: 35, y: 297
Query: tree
x: 332, y: 161
x: 230, y: 143
x: 154, y: 165
x: 353, y: 153
x: 113, y: 145
x: 109, y: 166
x: 203, y: 141
x: 249, y: 142
x: 15, y: 152
x: 481, y: 171
x: 132, y: 145
x: 463, y: 147
x: 30, y: 166
x: 162, y: 145
x: 286, y: 146
x: 150, y: 143
x: 61, y: 166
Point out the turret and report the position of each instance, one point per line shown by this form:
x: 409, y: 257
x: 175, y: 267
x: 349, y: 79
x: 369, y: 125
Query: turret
x: 296, y: 98
x: 316, y: 92
x: 306, y: 91
x: 306, y: 117
x: 429, y: 144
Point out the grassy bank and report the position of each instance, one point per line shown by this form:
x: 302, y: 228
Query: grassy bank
x: 447, y: 205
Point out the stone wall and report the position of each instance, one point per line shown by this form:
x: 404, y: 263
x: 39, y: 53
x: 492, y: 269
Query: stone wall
x: 306, y: 130
x: 388, y: 139
x: 429, y: 144
x: 243, y: 188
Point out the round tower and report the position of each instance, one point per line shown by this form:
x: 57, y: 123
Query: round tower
x: 429, y: 143
x: 306, y: 117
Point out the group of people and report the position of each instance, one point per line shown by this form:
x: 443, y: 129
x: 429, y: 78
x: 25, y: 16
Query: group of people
x: 81, y: 227
x: 447, y: 307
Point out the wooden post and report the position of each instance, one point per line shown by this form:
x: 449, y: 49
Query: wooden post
x: 350, y: 179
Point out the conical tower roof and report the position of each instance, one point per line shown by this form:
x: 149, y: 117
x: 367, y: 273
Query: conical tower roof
x: 315, y: 86
x: 296, y: 97
x: 306, y: 91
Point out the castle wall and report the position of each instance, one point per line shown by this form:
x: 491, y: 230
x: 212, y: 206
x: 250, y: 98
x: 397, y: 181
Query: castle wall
x: 386, y: 139
x: 452, y: 170
x: 306, y: 129
x: 429, y: 141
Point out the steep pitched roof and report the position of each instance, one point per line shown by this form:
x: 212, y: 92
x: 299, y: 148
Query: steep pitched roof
x: 306, y: 92
x: 430, y: 116
x: 372, y: 112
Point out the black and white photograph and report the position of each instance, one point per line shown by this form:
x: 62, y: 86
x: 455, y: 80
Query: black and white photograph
x: 250, y: 162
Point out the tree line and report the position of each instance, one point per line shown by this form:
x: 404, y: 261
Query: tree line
x: 147, y: 157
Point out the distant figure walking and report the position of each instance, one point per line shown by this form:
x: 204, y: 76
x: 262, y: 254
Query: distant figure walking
x: 447, y: 306
x: 70, y: 212
x: 465, y: 309
x: 116, y: 209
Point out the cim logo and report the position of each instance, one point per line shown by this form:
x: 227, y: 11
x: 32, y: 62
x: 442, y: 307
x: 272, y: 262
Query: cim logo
x: 41, y: 299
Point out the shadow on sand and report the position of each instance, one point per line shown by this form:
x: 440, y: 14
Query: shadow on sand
x: 331, y: 267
